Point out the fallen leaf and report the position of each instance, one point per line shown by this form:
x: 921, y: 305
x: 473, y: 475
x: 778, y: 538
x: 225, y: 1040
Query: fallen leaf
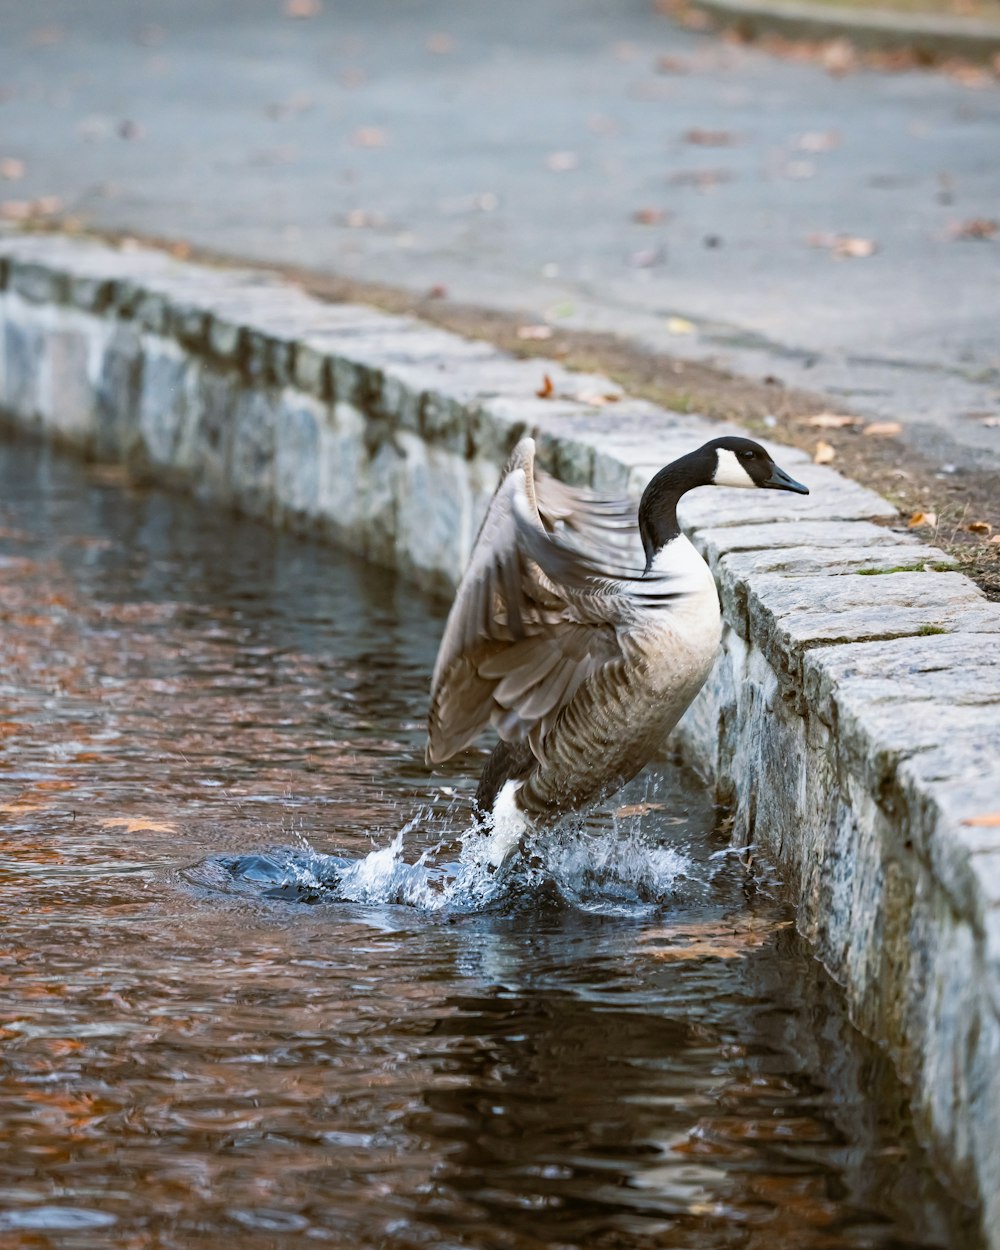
x: 824, y: 453
x: 546, y: 390
x: 647, y: 216
x: 15, y: 210
x: 995, y: 540
x: 562, y: 162
x: 11, y: 169
x: 534, y: 332
x: 597, y: 398
x: 672, y: 65
x: 24, y: 210
x: 134, y: 824
x: 855, y: 247
x: 990, y: 421
x: 438, y: 291
x: 989, y: 820
x: 180, y: 249
x: 979, y: 527
x: 974, y: 228
x: 369, y: 137
x: 922, y: 518
x: 839, y: 57
x: 830, y: 421
x: 710, y: 138
x: 440, y: 44
x: 883, y: 429
x: 968, y: 75
x: 818, y: 141
x: 843, y: 244
x: 302, y: 9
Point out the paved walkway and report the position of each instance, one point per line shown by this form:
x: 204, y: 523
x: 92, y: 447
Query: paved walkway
x: 502, y: 151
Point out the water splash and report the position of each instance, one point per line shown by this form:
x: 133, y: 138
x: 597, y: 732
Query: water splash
x: 619, y: 869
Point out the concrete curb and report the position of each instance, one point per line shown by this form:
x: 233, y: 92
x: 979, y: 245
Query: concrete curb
x: 930, y: 36
x: 852, y: 720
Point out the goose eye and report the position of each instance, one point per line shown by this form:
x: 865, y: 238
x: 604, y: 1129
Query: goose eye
x: 748, y: 455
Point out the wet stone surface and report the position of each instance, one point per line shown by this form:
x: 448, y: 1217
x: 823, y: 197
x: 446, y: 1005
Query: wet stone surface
x: 257, y: 988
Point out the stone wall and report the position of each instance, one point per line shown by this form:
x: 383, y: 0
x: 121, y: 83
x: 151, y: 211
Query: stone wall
x: 852, y: 720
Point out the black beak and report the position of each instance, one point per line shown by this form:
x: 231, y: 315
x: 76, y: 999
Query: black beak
x: 779, y: 480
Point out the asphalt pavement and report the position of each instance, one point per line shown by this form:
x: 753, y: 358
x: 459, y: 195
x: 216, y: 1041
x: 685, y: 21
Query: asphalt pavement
x: 589, y: 163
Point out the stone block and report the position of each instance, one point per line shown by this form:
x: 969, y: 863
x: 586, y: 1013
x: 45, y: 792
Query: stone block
x: 433, y: 509
x: 204, y: 451
x: 343, y: 467
x: 66, y: 392
x: 225, y: 338
x: 788, y: 615
x: 37, y: 282
x: 297, y: 456
x: 90, y: 293
x: 23, y: 349
x: 251, y: 463
x: 165, y: 407
x: 117, y: 392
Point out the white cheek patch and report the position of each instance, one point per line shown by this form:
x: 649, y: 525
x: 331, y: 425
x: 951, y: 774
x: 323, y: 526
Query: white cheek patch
x: 729, y: 471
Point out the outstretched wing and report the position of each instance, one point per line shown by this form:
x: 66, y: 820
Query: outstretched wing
x: 537, y: 611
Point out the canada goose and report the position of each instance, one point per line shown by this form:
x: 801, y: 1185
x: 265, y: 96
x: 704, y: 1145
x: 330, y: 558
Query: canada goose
x: 581, y: 663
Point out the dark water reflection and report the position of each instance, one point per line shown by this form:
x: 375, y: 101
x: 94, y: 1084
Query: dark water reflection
x: 187, y: 1062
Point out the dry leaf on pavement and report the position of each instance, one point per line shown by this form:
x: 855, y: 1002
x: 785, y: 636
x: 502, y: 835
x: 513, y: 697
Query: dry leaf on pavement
x: 546, y: 390
x: 534, y: 332
x: 989, y: 820
x: 922, y: 518
x: 846, y: 245
x: 597, y: 398
x: 710, y: 138
x: 303, y: 8
x: 974, y: 228
x: 979, y: 527
x: 818, y: 141
x: 883, y: 429
x: 824, y: 453
x: 649, y: 216
x: 830, y: 421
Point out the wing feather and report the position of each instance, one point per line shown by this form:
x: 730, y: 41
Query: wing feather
x: 537, y: 611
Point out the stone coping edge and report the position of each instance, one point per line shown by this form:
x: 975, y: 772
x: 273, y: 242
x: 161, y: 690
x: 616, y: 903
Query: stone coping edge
x: 934, y: 36
x: 852, y: 721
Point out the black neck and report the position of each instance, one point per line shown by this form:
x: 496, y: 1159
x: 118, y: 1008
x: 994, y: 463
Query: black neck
x: 658, y: 506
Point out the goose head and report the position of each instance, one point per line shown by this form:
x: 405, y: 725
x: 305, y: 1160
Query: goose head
x: 728, y: 461
x: 740, y: 462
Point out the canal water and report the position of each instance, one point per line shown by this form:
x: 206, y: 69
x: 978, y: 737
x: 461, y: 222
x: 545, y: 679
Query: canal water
x: 257, y: 991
